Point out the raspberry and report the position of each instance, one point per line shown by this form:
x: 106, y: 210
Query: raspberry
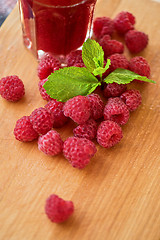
x: 86, y: 130
x: 132, y: 98
x: 111, y: 46
x: 57, y: 209
x: 78, y: 109
x: 74, y: 57
x: 12, y: 88
x: 78, y: 151
x: 50, y: 143
x: 41, y: 120
x: 109, y: 133
x: 56, y: 110
x: 118, y: 61
x: 97, y: 106
x: 24, y: 131
x: 124, y: 22
x: 114, y: 89
x: 140, y: 66
x: 136, y: 41
x: 116, y: 110
x: 42, y: 91
x: 47, y: 65
x: 103, y: 26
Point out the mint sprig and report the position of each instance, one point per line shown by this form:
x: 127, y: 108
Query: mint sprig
x: 69, y: 82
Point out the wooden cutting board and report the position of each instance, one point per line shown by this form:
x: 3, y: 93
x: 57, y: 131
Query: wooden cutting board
x: 117, y: 196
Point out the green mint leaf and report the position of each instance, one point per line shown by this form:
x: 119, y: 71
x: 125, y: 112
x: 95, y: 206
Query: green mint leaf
x: 123, y: 76
x: 99, y: 70
x: 97, y: 62
x: 107, y: 64
x: 69, y: 82
x: 92, y: 55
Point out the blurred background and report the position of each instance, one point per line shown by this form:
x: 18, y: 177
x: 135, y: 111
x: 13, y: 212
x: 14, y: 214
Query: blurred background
x: 6, y: 7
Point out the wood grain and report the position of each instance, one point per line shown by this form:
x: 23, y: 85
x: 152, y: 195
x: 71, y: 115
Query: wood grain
x: 117, y: 196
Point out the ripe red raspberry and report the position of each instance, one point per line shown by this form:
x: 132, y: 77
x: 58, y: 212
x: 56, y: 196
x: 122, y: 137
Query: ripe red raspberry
x: 12, y: 88
x: 103, y: 26
x: 24, y: 131
x: 78, y: 151
x: 50, y: 143
x: 118, y: 61
x: 78, y: 109
x: 109, y: 133
x: 86, y: 130
x: 74, y: 58
x: 47, y: 65
x: 136, y: 41
x: 56, y: 110
x: 140, y: 66
x: 111, y: 46
x: 124, y: 22
x: 42, y: 91
x: 116, y: 110
x: 57, y: 209
x: 114, y: 90
x: 97, y: 106
x: 132, y: 98
x: 41, y: 120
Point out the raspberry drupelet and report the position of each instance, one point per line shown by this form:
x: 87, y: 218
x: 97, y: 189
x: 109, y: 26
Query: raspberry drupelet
x: 42, y: 91
x: 57, y: 209
x: 132, y: 98
x: 56, y: 110
x: 103, y: 26
x: 79, y: 65
x: 50, y: 143
x: 116, y: 110
x: 24, y: 131
x: 124, y: 22
x: 86, y: 130
x: 78, y: 151
x: 136, y: 41
x: 109, y: 133
x: 47, y: 65
x: 41, y: 120
x: 78, y: 109
x: 12, y: 88
x: 97, y: 106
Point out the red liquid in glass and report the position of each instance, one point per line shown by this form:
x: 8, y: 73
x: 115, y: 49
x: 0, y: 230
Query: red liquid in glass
x: 60, y: 26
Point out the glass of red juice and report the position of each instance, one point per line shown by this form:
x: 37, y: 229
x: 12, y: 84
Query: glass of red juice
x: 56, y: 27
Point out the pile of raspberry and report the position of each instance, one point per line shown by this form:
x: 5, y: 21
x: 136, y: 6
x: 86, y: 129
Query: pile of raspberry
x: 104, y: 28
x: 96, y: 120
x: 123, y: 24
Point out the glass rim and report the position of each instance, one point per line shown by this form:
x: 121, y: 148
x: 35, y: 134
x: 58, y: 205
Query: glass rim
x: 59, y: 6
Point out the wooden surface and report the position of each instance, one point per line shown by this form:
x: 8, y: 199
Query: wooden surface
x: 117, y: 196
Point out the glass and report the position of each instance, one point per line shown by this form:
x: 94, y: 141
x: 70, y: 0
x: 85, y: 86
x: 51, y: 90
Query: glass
x: 55, y: 26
